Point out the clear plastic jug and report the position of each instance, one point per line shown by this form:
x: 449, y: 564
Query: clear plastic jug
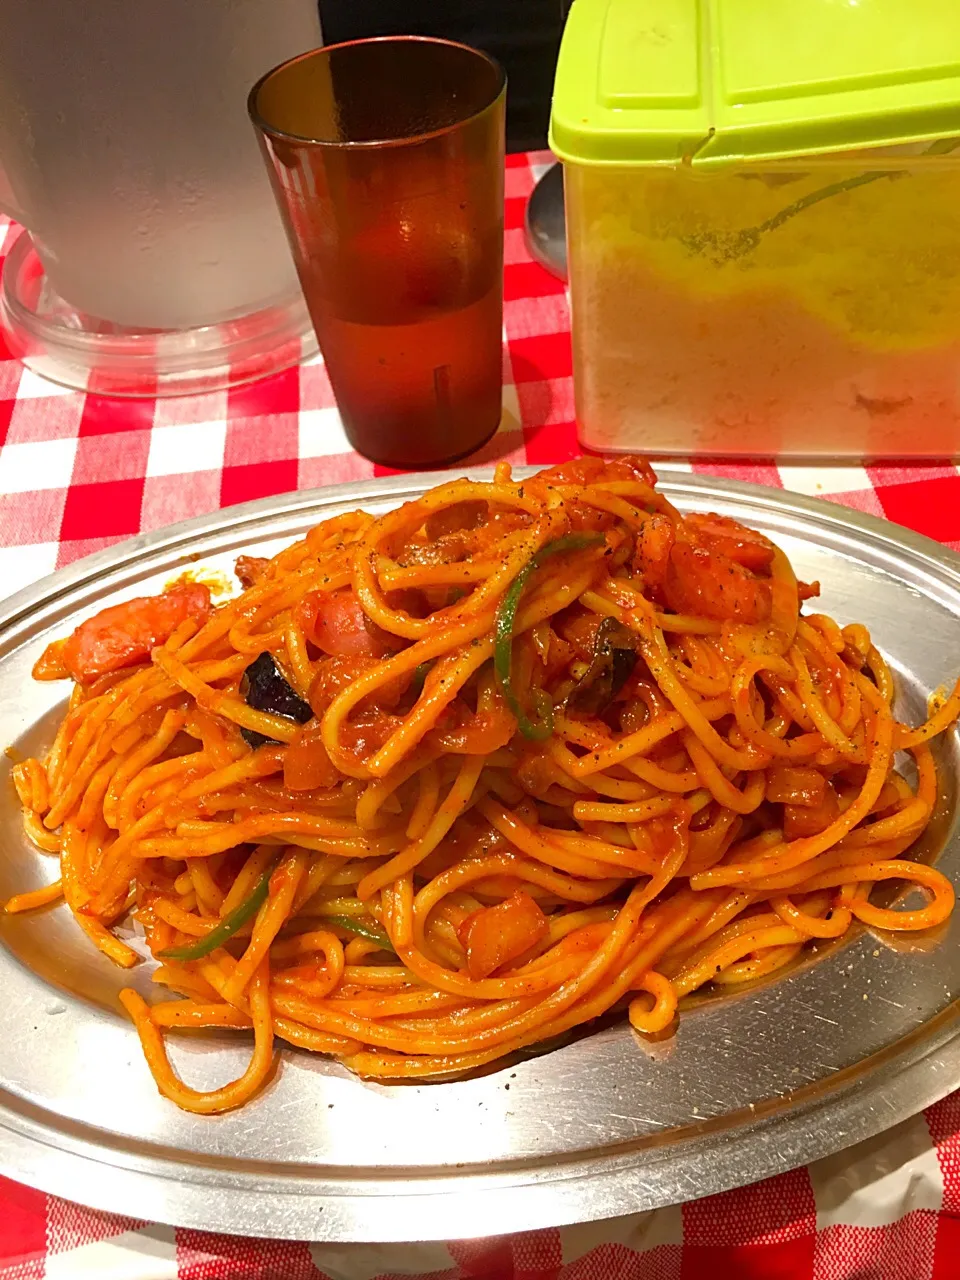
x: 126, y: 152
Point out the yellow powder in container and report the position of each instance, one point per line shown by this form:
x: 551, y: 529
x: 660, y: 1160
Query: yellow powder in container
x: 805, y: 312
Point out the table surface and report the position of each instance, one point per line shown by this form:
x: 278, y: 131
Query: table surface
x: 79, y: 472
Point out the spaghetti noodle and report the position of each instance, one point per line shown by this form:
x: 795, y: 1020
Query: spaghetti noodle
x: 448, y: 783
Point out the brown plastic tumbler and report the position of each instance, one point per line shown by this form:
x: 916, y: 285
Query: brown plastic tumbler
x: 386, y: 158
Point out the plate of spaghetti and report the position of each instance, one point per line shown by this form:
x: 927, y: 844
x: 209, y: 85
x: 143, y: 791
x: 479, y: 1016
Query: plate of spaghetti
x: 635, y: 798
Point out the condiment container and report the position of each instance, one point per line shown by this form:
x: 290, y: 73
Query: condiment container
x: 763, y: 225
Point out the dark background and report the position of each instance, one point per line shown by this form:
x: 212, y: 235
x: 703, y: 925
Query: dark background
x: 524, y: 35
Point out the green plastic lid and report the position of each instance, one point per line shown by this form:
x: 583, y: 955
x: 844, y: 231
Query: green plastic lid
x: 716, y: 82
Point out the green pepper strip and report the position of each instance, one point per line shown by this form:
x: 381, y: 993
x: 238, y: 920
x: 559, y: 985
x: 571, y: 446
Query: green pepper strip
x: 227, y: 927
x: 420, y: 675
x: 367, y: 931
x: 503, y: 648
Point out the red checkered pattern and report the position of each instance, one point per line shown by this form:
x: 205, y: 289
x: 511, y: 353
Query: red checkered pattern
x: 79, y: 472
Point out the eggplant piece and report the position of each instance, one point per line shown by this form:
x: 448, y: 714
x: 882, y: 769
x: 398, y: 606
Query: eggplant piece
x: 265, y: 689
x: 614, y: 658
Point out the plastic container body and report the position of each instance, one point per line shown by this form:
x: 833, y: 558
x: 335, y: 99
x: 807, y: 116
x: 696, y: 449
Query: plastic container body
x: 801, y: 309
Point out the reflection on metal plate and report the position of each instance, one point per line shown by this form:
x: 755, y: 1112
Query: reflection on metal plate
x: 754, y: 1084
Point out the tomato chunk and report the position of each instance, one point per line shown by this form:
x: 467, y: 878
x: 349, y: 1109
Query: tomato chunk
x: 796, y: 785
x: 810, y: 820
x: 494, y: 936
x: 710, y: 585
x: 652, y: 557
x: 473, y: 733
x: 579, y: 628
x: 335, y: 623
x: 730, y: 538
x: 250, y: 569
x: 306, y: 765
x: 590, y: 469
x: 124, y: 634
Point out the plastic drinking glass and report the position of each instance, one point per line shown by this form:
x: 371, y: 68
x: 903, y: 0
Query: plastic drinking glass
x: 386, y: 158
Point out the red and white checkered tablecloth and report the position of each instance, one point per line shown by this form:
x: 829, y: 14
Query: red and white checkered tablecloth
x: 79, y: 472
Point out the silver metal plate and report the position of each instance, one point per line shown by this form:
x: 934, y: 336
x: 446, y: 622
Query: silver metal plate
x: 844, y: 1046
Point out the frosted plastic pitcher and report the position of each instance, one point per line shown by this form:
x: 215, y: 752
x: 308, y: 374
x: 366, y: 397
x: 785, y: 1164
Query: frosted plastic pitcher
x: 126, y: 151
